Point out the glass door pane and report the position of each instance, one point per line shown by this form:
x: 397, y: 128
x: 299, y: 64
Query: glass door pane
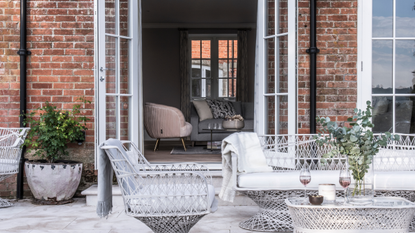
x: 279, y: 67
x: 393, y: 66
x: 115, y: 71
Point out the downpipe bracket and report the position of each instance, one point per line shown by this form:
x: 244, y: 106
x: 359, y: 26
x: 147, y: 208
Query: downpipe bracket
x: 313, y: 50
x: 24, y: 52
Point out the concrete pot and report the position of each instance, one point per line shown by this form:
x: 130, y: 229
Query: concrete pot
x: 53, y: 183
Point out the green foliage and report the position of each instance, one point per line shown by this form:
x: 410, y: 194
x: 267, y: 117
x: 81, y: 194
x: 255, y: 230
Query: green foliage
x: 53, y: 129
x: 356, y: 141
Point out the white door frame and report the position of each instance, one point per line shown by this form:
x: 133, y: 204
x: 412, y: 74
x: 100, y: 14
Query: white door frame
x: 136, y: 132
x: 260, y: 69
x: 364, y: 53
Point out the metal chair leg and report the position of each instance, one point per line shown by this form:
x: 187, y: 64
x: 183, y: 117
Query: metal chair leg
x: 184, y: 145
x: 157, y: 144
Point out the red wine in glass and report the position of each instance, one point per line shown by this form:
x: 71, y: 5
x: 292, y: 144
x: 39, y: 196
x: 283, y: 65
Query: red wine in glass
x: 345, y: 179
x: 344, y: 182
x: 305, y: 180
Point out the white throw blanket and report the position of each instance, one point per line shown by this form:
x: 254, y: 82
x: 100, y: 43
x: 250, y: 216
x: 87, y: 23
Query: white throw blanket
x: 250, y: 157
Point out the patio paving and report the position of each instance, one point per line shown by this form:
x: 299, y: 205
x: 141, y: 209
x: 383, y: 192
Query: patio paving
x: 77, y: 217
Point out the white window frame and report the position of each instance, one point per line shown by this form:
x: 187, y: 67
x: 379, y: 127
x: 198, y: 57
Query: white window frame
x: 260, y: 73
x: 214, y: 69
x: 364, y: 65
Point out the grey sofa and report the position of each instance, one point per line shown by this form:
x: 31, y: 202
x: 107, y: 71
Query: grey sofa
x: 245, y: 109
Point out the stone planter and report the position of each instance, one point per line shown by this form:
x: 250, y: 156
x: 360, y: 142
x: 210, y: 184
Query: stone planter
x: 53, y: 183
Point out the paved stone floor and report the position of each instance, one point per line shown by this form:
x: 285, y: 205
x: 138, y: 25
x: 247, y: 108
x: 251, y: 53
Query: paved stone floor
x: 79, y: 218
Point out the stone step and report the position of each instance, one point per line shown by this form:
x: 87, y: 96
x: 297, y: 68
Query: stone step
x: 117, y: 200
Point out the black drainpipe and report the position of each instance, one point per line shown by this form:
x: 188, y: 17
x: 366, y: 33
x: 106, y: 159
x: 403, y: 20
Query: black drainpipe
x: 23, y: 54
x: 313, y: 50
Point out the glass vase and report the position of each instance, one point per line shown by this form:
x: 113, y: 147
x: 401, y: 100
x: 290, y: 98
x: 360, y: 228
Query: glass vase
x: 361, y: 192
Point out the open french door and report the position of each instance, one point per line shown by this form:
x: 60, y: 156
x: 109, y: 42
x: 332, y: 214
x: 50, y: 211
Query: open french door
x: 118, y: 85
x: 275, y: 81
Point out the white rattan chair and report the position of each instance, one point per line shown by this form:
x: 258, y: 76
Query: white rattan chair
x: 11, y: 140
x: 167, y: 198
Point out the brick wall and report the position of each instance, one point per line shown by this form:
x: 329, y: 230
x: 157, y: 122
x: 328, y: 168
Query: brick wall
x: 336, y: 62
x: 60, y: 69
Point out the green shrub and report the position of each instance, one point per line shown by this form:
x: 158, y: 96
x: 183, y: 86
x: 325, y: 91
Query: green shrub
x: 53, y: 129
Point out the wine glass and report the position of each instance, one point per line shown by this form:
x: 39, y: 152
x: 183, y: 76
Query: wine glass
x: 345, y: 179
x: 305, y: 178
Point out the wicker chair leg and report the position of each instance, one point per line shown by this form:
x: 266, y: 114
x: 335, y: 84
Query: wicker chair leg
x: 171, y: 224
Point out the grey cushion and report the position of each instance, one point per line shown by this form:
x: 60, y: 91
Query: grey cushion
x: 238, y: 107
x: 221, y: 108
x: 248, y: 110
x: 203, y: 109
x: 249, y: 124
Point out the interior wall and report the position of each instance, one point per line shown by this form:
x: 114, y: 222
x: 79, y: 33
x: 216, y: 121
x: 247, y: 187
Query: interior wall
x: 161, y: 71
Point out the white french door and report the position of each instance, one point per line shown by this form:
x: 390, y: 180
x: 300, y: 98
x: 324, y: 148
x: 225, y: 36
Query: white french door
x: 118, y: 75
x: 275, y: 89
x: 387, y: 63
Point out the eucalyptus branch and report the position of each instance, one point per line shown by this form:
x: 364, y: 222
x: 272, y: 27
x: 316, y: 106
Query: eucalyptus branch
x: 356, y: 141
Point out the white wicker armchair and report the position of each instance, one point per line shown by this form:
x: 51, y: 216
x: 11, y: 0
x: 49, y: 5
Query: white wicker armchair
x: 11, y: 140
x: 167, y: 198
x: 394, y: 168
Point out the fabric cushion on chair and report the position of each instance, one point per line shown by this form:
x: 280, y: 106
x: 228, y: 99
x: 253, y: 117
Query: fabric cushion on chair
x: 221, y: 108
x: 203, y: 109
x: 237, y: 105
x: 175, y: 199
x: 186, y: 130
x: 395, y: 180
x: 287, y: 180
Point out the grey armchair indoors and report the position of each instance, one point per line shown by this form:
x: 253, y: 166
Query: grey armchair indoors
x: 163, y: 121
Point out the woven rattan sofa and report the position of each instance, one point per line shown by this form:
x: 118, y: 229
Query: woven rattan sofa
x: 167, y: 198
x: 394, y: 168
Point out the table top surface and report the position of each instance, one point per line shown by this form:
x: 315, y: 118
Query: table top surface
x: 378, y: 202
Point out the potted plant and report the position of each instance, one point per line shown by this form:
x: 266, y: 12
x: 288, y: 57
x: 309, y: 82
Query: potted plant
x: 51, y: 179
x: 359, y: 144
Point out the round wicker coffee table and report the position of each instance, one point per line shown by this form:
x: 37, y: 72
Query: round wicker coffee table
x: 387, y: 214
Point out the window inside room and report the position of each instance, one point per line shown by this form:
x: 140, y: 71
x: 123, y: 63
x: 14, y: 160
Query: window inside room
x: 213, y: 71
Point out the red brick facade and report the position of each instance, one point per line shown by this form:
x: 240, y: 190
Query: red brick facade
x: 60, y: 69
x: 336, y: 62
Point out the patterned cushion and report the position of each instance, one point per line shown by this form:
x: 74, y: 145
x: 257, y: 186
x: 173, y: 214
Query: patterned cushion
x: 221, y: 108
